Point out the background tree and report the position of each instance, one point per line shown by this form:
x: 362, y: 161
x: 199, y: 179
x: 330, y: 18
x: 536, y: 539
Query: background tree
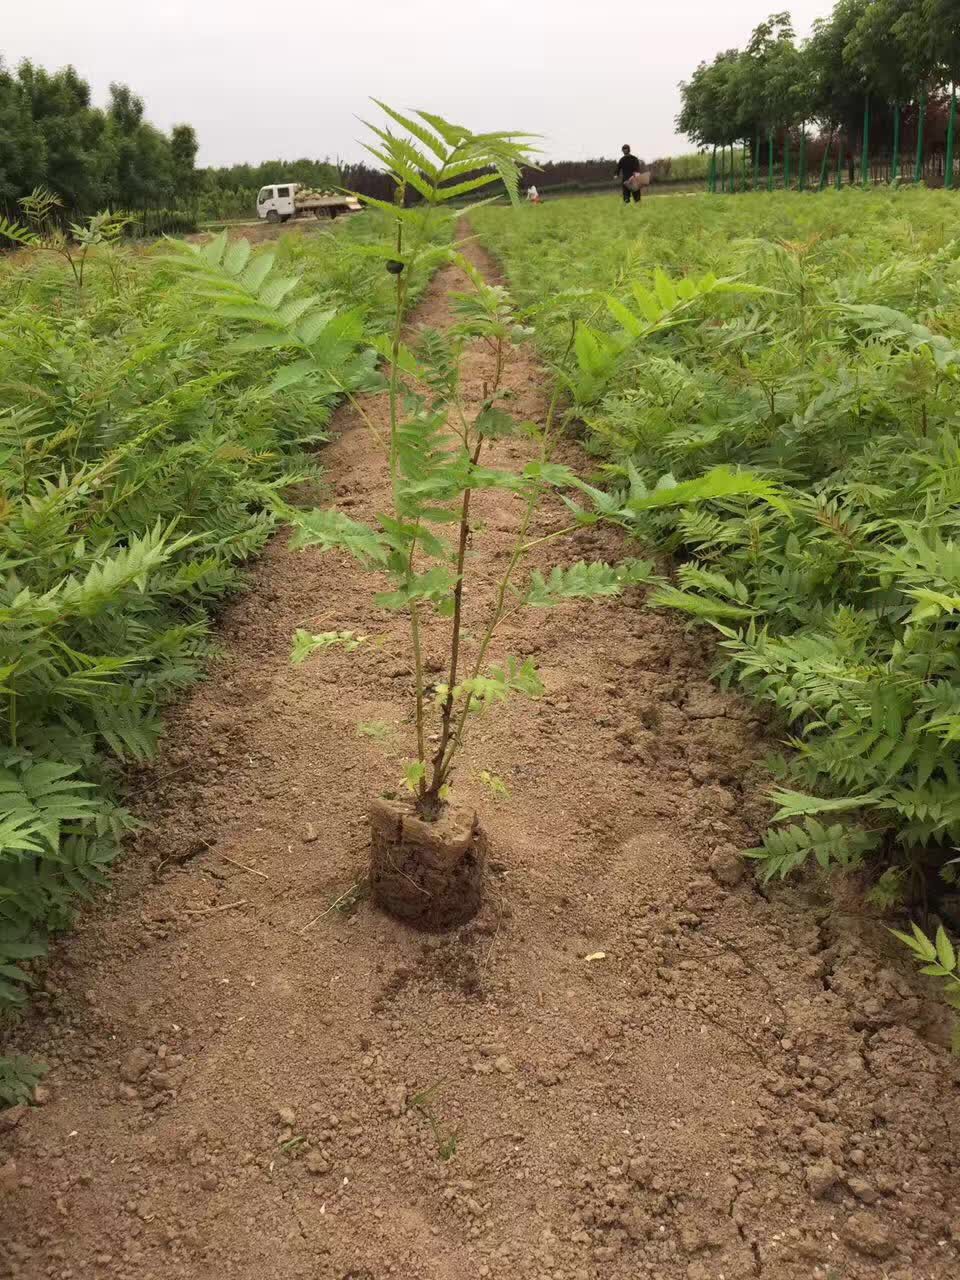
x: 891, y: 65
x: 698, y: 112
x: 22, y: 152
x: 52, y: 136
x: 839, y: 85
x: 717, y: 110
x: 941, y: 21
x: 64, y: 133
x: 183, y: 161
x: 776, y: 77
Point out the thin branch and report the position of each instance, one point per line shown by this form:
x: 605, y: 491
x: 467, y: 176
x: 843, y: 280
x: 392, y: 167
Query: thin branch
x: 209, y: 911
x: 243, y: 867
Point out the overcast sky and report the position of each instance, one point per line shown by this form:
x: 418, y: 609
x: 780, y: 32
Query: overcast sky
x: 263, y: 80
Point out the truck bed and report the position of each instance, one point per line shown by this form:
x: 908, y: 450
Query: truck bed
x: 310, y: 203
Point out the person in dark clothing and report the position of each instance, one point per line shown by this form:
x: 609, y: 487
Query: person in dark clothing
x: 627, y: 166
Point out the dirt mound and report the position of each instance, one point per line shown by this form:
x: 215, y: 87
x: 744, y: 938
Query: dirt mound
x: 630, y: 1065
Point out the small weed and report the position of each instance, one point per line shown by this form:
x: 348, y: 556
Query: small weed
x: 19, y: 1077
x: 422, y: 1102
x: 291, y: 1147
x: 378, y: 730
x: 495, y: 785
x: 305, y: 643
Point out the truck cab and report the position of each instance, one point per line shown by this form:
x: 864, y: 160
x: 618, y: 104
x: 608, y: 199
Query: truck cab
x: 276, y: 203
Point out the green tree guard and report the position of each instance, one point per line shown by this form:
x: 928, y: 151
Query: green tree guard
x: 712, y: 175
x: 802, y: 172
x: 839, y: 161
x: 786, y: 160
x: 743, y: 174
x: 895, y: 164
x: 723, y: 169
x: 770, y: 160
x: 824, y: 162
x: 756, y: 161
x: 921, y: 119
x: 865, y: 151
x: 951, y: 131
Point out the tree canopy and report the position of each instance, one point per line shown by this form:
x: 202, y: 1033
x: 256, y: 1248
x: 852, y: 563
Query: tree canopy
x: 892, y: 52
x: 92, y: 158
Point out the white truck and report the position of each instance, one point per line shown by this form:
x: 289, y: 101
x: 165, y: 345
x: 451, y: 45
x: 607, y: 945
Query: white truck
x: 284, y: 200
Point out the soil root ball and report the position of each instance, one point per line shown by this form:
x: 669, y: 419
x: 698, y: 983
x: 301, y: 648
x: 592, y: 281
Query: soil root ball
x: 429, y: 874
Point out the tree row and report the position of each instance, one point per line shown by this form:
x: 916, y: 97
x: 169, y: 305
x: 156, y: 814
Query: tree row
x: 876, y: 76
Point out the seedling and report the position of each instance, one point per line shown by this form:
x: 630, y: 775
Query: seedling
x: 440, y: 449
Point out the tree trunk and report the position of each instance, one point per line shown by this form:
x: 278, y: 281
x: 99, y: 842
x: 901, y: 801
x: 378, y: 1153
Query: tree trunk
x: 756, y: 160
x: 770, y: 160
x: 429, y: 874
x: 895, y: 166
x: 712, y: 175
x: 865, y: 150
x: 951, y: 130
x: 786, y: 159
x: 839, y: 160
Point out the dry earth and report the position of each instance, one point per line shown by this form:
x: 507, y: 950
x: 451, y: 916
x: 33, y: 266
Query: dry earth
x: 637, y: 1064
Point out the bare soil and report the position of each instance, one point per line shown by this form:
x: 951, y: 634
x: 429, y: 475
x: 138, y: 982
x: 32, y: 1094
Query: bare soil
x: 631, y: 1065
x: 260, y: 230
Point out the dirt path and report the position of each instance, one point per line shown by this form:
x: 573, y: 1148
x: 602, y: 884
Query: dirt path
x: 650, y: 1070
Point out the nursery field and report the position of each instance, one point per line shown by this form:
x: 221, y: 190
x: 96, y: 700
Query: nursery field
x: 836, y: 376
x: 635, y: 1060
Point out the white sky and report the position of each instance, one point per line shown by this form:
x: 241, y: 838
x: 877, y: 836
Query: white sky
x: 262, y: 81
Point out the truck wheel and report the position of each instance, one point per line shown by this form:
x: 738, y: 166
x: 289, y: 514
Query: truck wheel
x: 285, y: 217
x: 333, y: 211
x: 272, y: 215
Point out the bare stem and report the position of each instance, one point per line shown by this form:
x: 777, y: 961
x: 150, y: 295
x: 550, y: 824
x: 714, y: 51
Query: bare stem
x: 400, y: 298
x: 394, y: 367
x: 436, y: 782
x: 418, y: 669
x: 499, y: 607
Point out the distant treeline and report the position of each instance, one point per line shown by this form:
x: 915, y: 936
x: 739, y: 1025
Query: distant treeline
x: 875, y: 79
x: 552, y: 175
x: 94, y: 158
